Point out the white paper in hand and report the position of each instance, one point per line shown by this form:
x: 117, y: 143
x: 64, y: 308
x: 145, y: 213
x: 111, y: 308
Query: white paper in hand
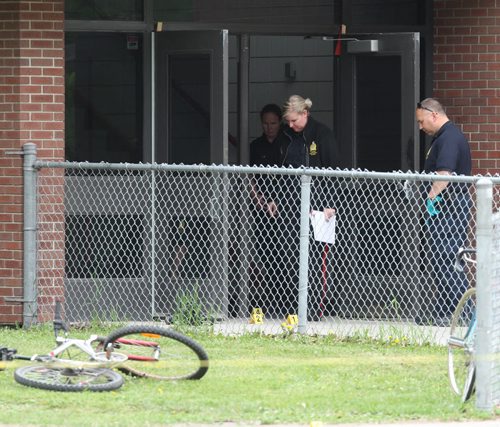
x: 324, y: 231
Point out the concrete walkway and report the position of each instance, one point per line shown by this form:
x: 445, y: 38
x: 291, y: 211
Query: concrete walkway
x: 342, y: 328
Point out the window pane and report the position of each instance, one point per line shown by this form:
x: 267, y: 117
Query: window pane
x: 291, y: 12
x: 104, y: 97
x: 375, y: 75
x: 99, y: 246
x: 388, y: 12
x: 189, y: 88
x: 118, y: 10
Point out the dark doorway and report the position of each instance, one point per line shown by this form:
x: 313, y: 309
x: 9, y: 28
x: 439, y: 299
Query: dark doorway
x: 377, y: 88
x: 189, y: 88
x: 379, y: 101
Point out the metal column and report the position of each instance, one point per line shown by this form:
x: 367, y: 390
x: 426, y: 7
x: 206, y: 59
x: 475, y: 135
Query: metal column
x: 30, y: 307
x: 483, y: 342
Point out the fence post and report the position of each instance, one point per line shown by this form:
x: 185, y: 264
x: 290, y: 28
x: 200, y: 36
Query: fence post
x: 305, y: 203
x: 30, y: 307
x: 483, y: 342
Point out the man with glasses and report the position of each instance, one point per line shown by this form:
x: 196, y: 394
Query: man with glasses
x: 447, y: 207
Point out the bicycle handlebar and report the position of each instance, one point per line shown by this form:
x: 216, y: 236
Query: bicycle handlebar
x: 7, y: 353
x: 460, y: 255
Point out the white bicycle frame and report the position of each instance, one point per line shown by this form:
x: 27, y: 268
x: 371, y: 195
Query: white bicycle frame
x: 102, y: 359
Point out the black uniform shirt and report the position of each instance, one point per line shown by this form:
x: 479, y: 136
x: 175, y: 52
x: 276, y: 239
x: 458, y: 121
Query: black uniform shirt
x: 450, y: 152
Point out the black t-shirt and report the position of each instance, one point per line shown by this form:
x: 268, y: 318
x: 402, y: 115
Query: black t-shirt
x: 450, y: 151
x: 265, y: 153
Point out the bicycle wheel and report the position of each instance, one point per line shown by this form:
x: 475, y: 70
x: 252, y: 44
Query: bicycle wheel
x: 470, y: 381
x: 461, y: 368
x: 159, y: 353
x: 66, y: 379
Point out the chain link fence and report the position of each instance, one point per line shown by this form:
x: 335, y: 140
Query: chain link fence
x: 233, y: 248
x: 251, y: 249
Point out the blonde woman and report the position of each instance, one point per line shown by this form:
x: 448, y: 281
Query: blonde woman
x: 307, y: 143
x: 310, y: 143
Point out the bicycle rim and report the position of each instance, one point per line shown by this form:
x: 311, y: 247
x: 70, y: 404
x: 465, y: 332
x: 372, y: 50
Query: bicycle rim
x: 64, y: 379
x: 461, y: 344
x: 158, y: 352
x: 470, y: 383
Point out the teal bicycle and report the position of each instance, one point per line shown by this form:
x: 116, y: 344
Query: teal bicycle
x: 461, y: 342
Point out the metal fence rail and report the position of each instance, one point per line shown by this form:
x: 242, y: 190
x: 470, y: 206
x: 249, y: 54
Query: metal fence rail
x: 233, y: 249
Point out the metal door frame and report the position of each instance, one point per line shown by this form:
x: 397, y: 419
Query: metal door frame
x: 405, y: 45
x: 214, y: 43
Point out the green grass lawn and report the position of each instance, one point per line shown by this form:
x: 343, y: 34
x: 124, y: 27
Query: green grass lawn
x: 253, y: 379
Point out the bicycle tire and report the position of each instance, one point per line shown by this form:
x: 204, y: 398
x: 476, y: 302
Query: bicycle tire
x: 63, y: 379
x: 461, y: 366
x: 470, y: 384
x: 159, y: 353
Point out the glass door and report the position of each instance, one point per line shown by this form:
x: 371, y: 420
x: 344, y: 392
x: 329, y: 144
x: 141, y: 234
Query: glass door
x: 378, y: 86
x: 191, y: 128
x: 377, y: 89
x: 191, y: 97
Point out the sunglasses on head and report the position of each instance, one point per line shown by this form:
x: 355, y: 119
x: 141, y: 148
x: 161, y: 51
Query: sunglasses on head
x: 419, y: 105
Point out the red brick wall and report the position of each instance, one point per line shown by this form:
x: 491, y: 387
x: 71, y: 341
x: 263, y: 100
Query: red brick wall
x: 31, y: 110
x: 467, y: 73
x: 466, y: 76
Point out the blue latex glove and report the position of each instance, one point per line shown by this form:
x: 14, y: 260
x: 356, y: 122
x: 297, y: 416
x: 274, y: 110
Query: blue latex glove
x: 432, y: 205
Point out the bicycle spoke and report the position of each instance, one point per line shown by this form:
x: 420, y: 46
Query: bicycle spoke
x: 65, y: 379
x: 160, y: 353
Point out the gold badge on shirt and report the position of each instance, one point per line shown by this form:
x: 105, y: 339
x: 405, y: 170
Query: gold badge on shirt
x: 313, y: 149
